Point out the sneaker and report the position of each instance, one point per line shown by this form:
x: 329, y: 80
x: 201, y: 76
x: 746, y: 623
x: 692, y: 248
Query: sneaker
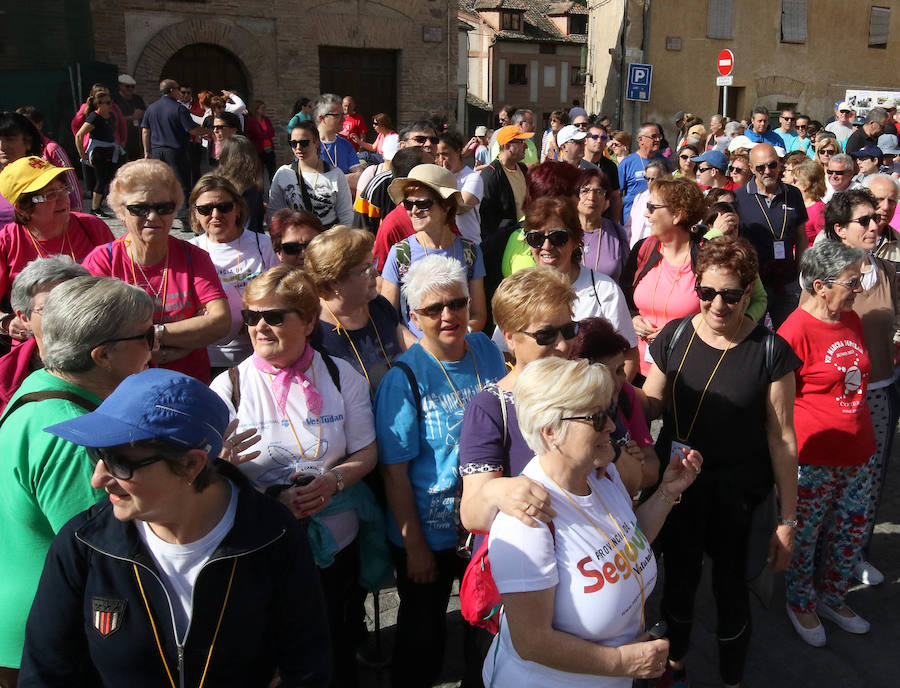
x: 100, y: 212
x: 851, y: 624
x: 867, y: 574
x: 812, y: 636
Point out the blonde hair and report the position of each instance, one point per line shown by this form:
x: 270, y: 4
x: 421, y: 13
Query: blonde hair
x: 332, y: 253
x: 809, y: 174
x: 291, y: 285
x: 530, y: 293
x: 552, y: 388
x: 142, y: 174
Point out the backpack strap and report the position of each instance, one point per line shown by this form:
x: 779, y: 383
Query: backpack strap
x: 470, y: 255
x: 48, y: 394
x: 417, y: 396
x: 332, y: 369
x: 234, y: 375
x: 770, y: 351
x: 403, y: 257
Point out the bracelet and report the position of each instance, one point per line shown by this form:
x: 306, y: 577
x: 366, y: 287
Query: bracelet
x: 668, y: 501
x: 792, y: 522
x: 340, y: 479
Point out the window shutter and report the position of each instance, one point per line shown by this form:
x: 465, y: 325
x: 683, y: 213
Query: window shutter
x: 879, y: 25
x: 719, y: 18
x: 793, y: 21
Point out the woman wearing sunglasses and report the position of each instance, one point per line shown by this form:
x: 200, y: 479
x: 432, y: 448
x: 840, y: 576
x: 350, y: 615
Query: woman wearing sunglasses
x: 686, y: 168
x: 851, y: 218
x: 574, y: 592
x: 725, y: 387
x: 96, y: 331
x: 291, y: 231
x: 310, y: 183
x: 43, y: 226
x: 835, y: 437
x: 826, y: 146
x: 431, y: 200
x: 183, y: 574
x: 218, y: 215
x: 739, y: 171
x: 190, y: 307
x: 418, y: 418
x: 314, y: 414
x: 356, y: 323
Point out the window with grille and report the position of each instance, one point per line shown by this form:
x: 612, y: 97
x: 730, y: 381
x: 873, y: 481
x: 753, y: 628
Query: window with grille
x: 719, y: 19
x: 879, y: 25
x: 793, y: 21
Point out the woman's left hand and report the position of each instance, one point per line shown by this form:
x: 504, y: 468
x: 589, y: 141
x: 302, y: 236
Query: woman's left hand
x: 312, y: 498
x: 681, y: 472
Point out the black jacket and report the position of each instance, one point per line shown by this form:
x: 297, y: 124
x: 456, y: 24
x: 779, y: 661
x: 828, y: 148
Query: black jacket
x: 89, y: 624
x: 498, y: 221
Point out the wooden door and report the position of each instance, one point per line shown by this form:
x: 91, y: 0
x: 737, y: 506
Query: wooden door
x: 370, y: 76
x: 208, y: 67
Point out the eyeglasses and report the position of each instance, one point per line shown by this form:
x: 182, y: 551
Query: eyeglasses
x: 119, y: 467
x: 852, y: 285
x: 368, y: 272
x: 302, y: 143
x: 149, y: 336
x: 273, y: 317
x: 422, y: 139
x: 684, y: 157
x: 333, y: 114
x: 837, y: 173
x: 293, y: 248
x: 653, y: 207
x: 52, y: 195
x: 865, y: 220
x: 144, y: 209
x: 418, y: 203
x: 598, y: 136
x: 655, y: 137
x: 589, y: 191
x: 739, y: 170
x: 729, y: 296
x: 207, y: 208
x: 556, y: 237
x: 705, y: 169
x: 219, y: 127
x: 789, y: 119
x: 434, y: 310
x: 549, y: 335
x: 771, y: 165
x: 598, y: 420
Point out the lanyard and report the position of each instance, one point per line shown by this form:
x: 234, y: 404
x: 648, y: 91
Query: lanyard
x: 450, y: 382
x: 766, y: 216
x: 346, y: 332
x: 37, y: 244
x: 287, y: 417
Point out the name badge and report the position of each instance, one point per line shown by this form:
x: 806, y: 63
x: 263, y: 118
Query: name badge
x: 309, y: 467
x: 676, y: 450
x: 779, y: 250
x: 648, y: 357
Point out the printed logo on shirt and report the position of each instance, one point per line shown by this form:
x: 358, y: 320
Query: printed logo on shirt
x: 107, y: 615
x: 845, y: 355
x: 623, y: 564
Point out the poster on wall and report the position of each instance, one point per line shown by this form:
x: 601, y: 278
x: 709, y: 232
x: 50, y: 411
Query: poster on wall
x: 863, y: 101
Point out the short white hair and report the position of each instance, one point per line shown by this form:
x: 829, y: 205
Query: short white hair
x: 433, y: 274
x: 552, y: 388
x: 734, y: 129
x: 868, y: 179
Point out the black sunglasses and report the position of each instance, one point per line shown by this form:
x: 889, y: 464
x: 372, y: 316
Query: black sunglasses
x: 422, y: 139
x: 864, y: 220
x: 536, y: 239
x: 549, y: 335
x: 293, y: 248
x: 149, y: 336
x: 597, y: 136
x: 207, y: 208
x: 598, y: 420
x: 144, y: 209
x: 729, y: 296
x: 118, y: 467
x: 302, y: 143
x: 839, y: 173
x: 418, y: 203
x: 581, y: 125
x: 772, y: 165
x: 273, y: 317
x: 435, y: 309
x: 217, y: 127
x: 705, y: 169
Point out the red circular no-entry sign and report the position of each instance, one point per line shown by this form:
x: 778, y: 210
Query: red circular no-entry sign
x: 725, y: 62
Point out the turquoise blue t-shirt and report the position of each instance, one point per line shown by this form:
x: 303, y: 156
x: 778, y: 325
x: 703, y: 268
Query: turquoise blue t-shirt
x: 430, y: 444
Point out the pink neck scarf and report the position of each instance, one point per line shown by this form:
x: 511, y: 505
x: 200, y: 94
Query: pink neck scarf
x: 283, y: 377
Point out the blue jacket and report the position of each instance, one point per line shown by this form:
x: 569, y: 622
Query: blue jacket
x: 89, y: 623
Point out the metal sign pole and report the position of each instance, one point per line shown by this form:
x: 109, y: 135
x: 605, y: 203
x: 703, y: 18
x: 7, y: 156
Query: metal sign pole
x: 725, y: 102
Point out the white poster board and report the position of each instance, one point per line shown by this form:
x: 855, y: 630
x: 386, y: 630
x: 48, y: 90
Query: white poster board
x: 863, y: 101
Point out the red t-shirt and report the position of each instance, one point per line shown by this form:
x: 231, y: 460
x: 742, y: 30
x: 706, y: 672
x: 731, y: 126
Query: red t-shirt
x: 192, y: 282
x: 18, y: 247
x: 354, y: 124
x: 395, y: 226
x: 831, y: 416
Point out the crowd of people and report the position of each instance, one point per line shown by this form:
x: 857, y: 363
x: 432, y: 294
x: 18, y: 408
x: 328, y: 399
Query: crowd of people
x: 412, y: 353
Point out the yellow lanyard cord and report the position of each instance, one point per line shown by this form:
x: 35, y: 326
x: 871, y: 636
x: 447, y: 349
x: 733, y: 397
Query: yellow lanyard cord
x: 287, y: 417
x: 450, y: 382
x: 37, y: 246
x: 702, y: 396
x: 341, y: 328
x: 765, y: 215
x: 639, y: 577
x: 162, y: 655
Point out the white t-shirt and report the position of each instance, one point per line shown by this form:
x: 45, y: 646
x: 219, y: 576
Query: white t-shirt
x: 601, y: 297
x: 181, y: 564
x: 328, y: 191
x: 598, y: 591
x: 347, y: 425
x: 237, y: 263
x: 469, y: 224
x: 636, y: 226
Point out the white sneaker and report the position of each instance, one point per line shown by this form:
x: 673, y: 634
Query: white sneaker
x: 813, y: 636
x: 867, y: 574
x: 851, y: 624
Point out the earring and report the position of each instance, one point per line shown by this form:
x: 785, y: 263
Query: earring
x: 555, y: 446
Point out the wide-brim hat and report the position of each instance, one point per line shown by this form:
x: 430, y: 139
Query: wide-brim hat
x: 27, y: 174
x: 435, y: 177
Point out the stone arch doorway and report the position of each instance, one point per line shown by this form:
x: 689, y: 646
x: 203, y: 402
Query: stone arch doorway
x: 208, y: 67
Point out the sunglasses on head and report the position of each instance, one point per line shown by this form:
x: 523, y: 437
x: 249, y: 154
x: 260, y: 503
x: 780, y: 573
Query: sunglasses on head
x: 273, y: 317
x: 422, y: 139
x: 207, y: 208
x: 302, y: 143
x: 556, y: 237
x: 729, y: 296
x: 418, y: 203
x: 144, y: 209
x: 117, y: 466
x: 549, y: 335
x: 293, y: 248
x: 598, y: 420
x: 149, y: 336
x: 434, y: 310
x: 771, y: 165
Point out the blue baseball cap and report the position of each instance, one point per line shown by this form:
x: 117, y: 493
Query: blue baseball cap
x: 868, y: 152
x: 156, y: 404
x: 715, y: 158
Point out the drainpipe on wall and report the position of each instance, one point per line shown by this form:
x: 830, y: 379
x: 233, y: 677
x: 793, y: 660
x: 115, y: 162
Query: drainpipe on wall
x: 620, y: 100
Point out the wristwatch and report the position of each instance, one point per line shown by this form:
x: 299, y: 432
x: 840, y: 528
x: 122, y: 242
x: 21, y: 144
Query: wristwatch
x: 340, y: 478
x: 792, y: 522
x: 159, y: 331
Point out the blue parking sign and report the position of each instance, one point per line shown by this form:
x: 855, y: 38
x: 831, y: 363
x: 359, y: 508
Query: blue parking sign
x: 639, y: 76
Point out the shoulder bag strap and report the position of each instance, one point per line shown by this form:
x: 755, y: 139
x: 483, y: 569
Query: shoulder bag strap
x: 679, y: 331
x: 234, y: 375
x: 304, y: 192
x: 48, y: 394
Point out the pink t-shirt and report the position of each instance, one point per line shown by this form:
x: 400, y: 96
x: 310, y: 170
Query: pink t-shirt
x: 665, y: 293
x: 192, y: 282
x: 816, y: 222
x: 636, y: 421
x: 18, y: 247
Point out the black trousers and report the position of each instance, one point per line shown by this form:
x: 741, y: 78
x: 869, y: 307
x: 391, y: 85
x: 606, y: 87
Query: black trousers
x: 339, y: 585
x: 179, y: 160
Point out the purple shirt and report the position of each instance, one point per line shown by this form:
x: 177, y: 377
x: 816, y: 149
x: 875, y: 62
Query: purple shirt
x: 605, y: 250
